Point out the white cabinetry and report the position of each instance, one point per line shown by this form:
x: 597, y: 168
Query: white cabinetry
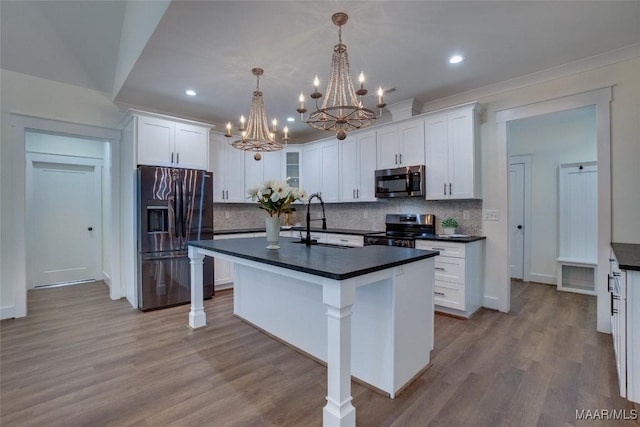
x: 222, y: 269
x: 227, y: 165
x: 624, y: 288
x: 166, y: 142
x: 357, y: 167
x: 452, y: 158
x: 459, y: 270
x: 401, y: 144
x: 320, y: 169
x: 257, y: 172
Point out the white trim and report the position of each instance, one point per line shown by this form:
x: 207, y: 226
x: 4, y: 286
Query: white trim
x: 547, y: 279
x: 491, y: 302
x: 7, y: 312
x: 525, y: 159
x: 583, y: 65
x: 601, y: 98
x: 21, y: 124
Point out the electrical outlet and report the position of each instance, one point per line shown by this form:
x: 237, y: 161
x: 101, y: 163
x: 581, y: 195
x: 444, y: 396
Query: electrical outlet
x: 227, y: 215
x: 465, y: 214
x: 491, y: 215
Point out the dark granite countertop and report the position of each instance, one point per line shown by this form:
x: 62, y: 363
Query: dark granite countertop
x: 628, y: 255
x: 336, y: 263
x: 313, y: 229
x: 466, y: 239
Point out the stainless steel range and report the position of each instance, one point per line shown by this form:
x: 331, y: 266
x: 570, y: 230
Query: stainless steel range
x: 402, y: 230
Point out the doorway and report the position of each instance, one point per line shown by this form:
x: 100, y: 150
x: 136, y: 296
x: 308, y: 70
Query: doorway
x: 64, y: 226
x: 520, y: 216
x: 600, y: 99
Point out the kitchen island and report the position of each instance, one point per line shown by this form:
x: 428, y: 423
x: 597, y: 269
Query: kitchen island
x: 366, y: 312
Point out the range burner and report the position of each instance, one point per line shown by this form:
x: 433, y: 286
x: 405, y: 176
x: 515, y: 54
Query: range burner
x: 402, y: 230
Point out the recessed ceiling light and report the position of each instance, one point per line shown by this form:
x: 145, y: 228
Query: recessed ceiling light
x: 291, y: 119
x: 190, y: 92
x: 455, y: 59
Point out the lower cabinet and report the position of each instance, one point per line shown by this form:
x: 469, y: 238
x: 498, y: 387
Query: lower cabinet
x: 459, y: 271
x: 223, y: 270
x: 624, y: 288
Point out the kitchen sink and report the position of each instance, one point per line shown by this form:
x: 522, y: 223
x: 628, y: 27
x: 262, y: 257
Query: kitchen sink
x: 326, y: 245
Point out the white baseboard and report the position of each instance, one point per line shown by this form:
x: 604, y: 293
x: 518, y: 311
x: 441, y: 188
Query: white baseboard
x: 106, y: 279
x: 543, y: 278
x: 223, y: 286
x: 491, y: 302
x: 8, y: 312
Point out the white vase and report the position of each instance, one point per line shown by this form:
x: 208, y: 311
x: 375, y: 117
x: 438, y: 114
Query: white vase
x: 449, y: 230
x: 273, y: 231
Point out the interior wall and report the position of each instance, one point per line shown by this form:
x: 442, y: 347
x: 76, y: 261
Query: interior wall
x: 624, y: 77
x: 36, y: 97
x: 553, y: 139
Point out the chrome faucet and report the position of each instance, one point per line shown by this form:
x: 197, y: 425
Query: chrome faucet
x: 307, y: 241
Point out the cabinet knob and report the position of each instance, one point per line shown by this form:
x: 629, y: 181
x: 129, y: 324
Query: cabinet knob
x: 519, y: 227
x: 90, y: 228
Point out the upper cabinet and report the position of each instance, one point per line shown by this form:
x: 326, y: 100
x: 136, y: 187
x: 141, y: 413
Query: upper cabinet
x: 256, y: 172
x: 228, y: 167
x: 401, y: 144
x: 165, y: 142
x: 357, y: 167
x: 320, y: 163
x: 452, y: 157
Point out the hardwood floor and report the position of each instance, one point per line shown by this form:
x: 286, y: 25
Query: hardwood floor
x: 80, y: 359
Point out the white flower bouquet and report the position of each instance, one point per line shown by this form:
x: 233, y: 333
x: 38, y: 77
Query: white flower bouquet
x: 276, y: 197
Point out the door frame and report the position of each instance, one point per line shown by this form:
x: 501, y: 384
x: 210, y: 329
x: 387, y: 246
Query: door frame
x: 97, y: 164
x: 526, y: 159
x: 601, y: 99
x: 21, y: 124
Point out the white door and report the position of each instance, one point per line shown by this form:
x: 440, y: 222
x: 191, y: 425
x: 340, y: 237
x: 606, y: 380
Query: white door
x: 64, y: 223
x: 516, y: 219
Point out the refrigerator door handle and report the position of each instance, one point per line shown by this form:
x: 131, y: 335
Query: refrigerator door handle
x: 177, y: 209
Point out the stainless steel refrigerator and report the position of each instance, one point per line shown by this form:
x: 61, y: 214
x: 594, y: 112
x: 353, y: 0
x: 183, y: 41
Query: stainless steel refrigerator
x: 174, y: 206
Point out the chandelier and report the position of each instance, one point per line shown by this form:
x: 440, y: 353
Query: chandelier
x: 341, y: 109
x: 255, y: 134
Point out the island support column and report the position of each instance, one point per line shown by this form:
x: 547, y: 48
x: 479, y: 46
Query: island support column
x: 197, y: 316
x: 339, y: 297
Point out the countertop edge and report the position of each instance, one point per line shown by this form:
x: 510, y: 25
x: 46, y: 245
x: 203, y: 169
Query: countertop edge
x: 421, y: 254
x: 628, y: 255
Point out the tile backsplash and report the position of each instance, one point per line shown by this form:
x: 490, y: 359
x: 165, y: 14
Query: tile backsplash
x: 358, y: 216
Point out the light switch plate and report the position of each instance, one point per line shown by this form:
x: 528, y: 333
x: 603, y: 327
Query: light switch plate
x: 491, y: 215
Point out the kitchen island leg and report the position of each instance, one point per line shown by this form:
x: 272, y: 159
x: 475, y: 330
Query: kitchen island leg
x: 338, y: 297
x: 197, y: 316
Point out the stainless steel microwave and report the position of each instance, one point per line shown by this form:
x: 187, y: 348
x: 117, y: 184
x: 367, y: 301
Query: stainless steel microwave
x: 407, y: 181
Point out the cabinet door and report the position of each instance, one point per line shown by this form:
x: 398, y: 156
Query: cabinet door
x: 330, y: 175
x: 234, y: 175
x: 272, y: 165
x: 191, y: 146
x: 436, y: 158
x: 411, y: 143
x: 349, y: 169
x: 388, y: 147
x: 217, y: 165
x: 227, y: 165
x: 311, y: 168
x: 292, y: 162
x: 253, y: 171
x: 367, y: 157
x: 155, y: 141
x: 461, y: 155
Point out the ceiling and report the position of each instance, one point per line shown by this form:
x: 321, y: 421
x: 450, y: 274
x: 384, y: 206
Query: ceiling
x: 211, y: 46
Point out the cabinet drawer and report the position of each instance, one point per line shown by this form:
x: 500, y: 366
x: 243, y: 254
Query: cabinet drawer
x: 345, y: 239
x: 445, y: 248
x: 449, y: 295
x: 449, y: 269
